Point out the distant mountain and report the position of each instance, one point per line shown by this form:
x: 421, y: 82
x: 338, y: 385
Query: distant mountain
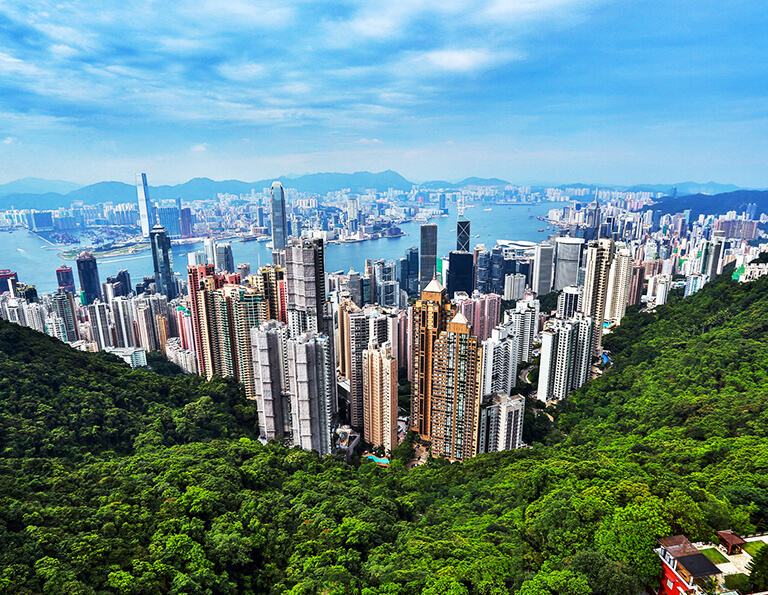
x: 205, y: 188
x: 438, y: 184
x: 37, y: 186
x: 717, y: 204
x: 482, y: 182
x: 685, y: 188
x: 356, y: 182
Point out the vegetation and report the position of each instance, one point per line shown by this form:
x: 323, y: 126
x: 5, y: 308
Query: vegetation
x: 128, y: 482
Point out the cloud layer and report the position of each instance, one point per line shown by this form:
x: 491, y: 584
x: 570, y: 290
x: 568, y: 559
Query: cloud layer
x: 551, y: 89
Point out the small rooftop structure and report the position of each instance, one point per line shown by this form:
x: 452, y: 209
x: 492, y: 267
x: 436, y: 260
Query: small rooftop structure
x: 730, y: 541
x: 685, y: 567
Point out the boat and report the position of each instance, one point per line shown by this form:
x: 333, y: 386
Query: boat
x: 487, y: 209
x: 477, y: 236
x: 541, y: 229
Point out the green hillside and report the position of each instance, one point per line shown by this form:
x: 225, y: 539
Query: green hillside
x: 120, y: 481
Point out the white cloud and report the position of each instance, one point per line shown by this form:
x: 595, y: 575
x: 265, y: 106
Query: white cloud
x: 368, y: 141
x: 199, y: 148
x: 9, y: 140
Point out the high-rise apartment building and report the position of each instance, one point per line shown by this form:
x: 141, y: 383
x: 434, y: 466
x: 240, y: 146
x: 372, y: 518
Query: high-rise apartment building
x: 482, y: 311
x: 279, y: 220
x: 88, y: 272
x: 412, y: 256
x: 146, y: 219
x: 380, y: 396
x: 270, y: 281
x: 598, y: 264
x: 162, y: 260
x: 430, y: 316
x: 123, y: 316
x: 636, y: 285
x: 98, y: 316
x: 566, y: 353
x: 312, y: 385
x: 525, y: 322
x: 501, y: 423
x: 63, y: 304
x: 569, y: 301
x: 455, y: 398
x: 619, y: 281
x: 270, y: 364
x: 305, y: 277
x: 358, y: 328
x: 428, y: 266
x: 514, y: 286
x: 498, y: 367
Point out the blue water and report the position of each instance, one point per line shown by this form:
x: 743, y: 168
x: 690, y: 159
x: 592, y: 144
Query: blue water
x: 23, y: 252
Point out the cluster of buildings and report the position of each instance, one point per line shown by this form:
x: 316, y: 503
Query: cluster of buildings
x: 320, y: 351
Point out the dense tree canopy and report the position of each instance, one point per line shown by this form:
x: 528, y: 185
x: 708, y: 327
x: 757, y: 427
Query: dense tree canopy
x: 128, y: 482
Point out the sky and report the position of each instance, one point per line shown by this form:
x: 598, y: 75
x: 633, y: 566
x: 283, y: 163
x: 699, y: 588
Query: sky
x: 531, y: 91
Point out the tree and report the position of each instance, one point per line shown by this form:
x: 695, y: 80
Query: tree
x: 758, y: 569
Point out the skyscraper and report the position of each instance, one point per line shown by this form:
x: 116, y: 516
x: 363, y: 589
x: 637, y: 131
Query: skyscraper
x: 501, y: 423
x: 224, y: 260
x: 455, y: 402
x: 598, y: 264
x: 122, y: 313
x: 430, y: 317
x: 145, y: 207
x: 428, y: 267
x: 461, y: 272
x: 63, y: 304
x: 462, y: 234
x: 279, y: 221
x: 569, y: 301
x: 270, y: 352
x: 162, y: 260
x: 98, y: 315
x: 305, y: 276
x: 412, y: 255
x: 566, y: 352
x: 619, y: 280
x: 499, y: 361
x: 88, y: 272
x: 270, y: 280
x: 312, y: 384
x: 542, y: 268
x: 380, y: 396
x: 65, y: 279
x: 568, y: 261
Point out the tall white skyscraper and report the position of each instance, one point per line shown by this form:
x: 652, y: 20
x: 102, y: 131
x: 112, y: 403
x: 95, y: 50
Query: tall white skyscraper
x: 501, y: 423
x: 525, y: 323
x: 566, y: 351
x: 312, y: 381
x: 145, y: 207
x: 98, y: 315
x: 499, y: 362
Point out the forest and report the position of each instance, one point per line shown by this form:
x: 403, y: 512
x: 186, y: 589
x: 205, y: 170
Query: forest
x: 120, y: 481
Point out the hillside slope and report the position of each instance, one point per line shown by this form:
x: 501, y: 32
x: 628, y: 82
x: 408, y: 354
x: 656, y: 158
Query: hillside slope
x: 672, y: 439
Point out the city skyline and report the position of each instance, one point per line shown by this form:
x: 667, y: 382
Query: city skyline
x: 554, y: 91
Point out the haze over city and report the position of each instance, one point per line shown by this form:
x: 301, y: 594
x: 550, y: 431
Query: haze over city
x: 553, y: 91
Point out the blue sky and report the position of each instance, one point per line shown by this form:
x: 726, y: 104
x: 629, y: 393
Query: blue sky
x: 601, y: 91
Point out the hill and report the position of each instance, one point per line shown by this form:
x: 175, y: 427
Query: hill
x: 685, y: 188
x: 673, y: 438
x: 204, y: 189
x: 37, y: 186
x: 719, y: 204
